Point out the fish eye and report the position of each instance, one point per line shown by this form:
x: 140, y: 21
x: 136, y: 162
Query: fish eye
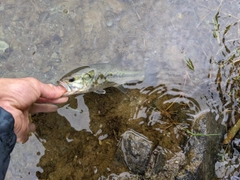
x: 71, y: 79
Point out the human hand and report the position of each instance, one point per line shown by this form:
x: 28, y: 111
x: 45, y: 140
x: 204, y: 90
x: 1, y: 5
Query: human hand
x: 21, y: 96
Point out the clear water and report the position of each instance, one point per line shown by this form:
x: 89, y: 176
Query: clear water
x: 46, y: 39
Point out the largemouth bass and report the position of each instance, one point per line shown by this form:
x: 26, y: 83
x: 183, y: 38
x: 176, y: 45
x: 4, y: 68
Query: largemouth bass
x: 97, y: 77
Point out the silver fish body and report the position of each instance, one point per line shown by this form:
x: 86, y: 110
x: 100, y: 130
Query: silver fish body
x: 97, y: 77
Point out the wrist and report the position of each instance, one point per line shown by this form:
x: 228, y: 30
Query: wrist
x: 7, y: 135
x: 7, y: 122
x: 6, y: 105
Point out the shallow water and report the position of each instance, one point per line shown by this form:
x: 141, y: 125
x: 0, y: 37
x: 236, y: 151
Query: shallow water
x: 46, y: 39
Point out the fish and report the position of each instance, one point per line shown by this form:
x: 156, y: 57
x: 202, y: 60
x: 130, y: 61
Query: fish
x: 97, y: 77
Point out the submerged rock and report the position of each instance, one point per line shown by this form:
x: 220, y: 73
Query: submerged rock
x: 5, y: 50
x: 201, y: 151
x: 228, y: 167
x: 3, y: 46
x: 135, y: 150
x: 195, y: 161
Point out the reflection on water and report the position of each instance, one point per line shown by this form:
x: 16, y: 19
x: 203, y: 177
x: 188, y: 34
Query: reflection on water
x: 26, y: 163
x: 46, y: 39
x: 74, y: 115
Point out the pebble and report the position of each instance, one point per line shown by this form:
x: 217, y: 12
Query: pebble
x: 46, y: 69
x: 109, y: 23
x: 3, y: 47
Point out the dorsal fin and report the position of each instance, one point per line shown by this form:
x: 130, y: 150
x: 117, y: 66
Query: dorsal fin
x: 75, y: 70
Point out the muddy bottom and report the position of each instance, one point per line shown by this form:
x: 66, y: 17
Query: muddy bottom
x: 92, y: 152
x: 81, y: 154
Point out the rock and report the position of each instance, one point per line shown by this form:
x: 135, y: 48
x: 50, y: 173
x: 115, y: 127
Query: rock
x: 92, y: 21
x: 111, y: 18
x: 195, y: 161
x: 115, y: 5
x: 201, y: 151
x: 28, y: 49
x: 228, y: 167
x: 157, y: 162
x: 135, y: 149
x: 5, y: 50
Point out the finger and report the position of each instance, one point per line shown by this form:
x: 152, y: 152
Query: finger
x: 22, y: 139
x: 31, y: 127
x: 49, y: 91
x: 22, y: 128
x: 55, y: 101
x: 36, y: 108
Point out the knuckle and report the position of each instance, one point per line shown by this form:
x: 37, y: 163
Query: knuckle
x: 32, y: 79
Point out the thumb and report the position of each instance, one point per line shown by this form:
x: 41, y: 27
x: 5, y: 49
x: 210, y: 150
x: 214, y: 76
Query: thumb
x: 50, y: 91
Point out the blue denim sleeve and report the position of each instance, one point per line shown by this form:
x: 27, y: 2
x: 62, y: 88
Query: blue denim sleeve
x: 7, y: 140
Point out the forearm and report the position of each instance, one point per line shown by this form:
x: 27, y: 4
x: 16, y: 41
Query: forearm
x: 7, y: 140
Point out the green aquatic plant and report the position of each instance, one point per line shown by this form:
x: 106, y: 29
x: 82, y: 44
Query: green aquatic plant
x: 199, y: 134
x: 189, y: 64
x: 223, y: 154
x: 216, y: 26
x: 236, y: 78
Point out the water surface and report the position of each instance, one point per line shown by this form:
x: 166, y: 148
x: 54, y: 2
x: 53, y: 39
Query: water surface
x: 46, y: 39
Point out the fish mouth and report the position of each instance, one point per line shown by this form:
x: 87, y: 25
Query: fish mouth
x: 70, y: 91
x: 65, y: 85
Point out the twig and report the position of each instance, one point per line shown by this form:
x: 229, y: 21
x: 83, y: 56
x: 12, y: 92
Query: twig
x: 231, y: 133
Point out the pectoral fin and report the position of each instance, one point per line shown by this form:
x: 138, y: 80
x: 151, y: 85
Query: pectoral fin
x: 121, y: 88
x: 100, y: 91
